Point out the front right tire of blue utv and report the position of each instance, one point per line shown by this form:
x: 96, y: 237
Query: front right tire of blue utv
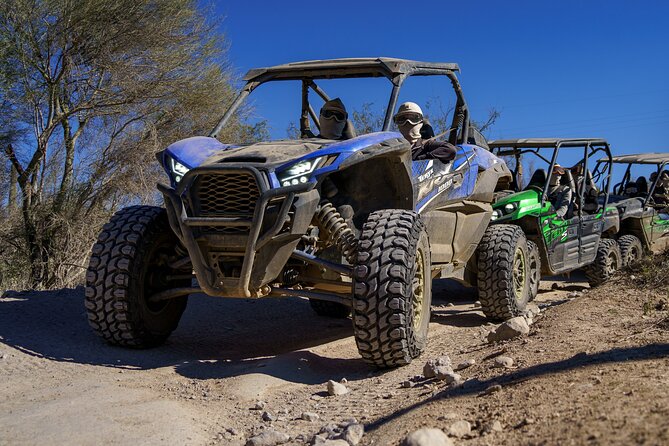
x: 392, y: 288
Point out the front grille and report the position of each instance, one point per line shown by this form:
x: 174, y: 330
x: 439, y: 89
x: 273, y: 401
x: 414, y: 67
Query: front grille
x: 225, y: 194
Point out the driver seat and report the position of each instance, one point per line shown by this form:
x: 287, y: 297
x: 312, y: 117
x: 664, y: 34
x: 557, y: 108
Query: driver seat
x: 568, y: 180
x: 538, y: 179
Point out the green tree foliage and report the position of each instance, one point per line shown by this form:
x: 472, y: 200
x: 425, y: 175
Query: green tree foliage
x: 90, y: 90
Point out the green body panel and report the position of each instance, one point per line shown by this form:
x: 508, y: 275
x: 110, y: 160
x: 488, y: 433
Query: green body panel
x: 527, y: 202
x: 553, y: 229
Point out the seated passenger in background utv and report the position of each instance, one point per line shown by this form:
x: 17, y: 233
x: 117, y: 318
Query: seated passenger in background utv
x: 590, y: 191
x: 560, y: 192
x: 410, y: 122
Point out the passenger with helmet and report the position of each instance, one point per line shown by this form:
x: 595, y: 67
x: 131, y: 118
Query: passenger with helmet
x: 409, y: 120
x: 333, y: 120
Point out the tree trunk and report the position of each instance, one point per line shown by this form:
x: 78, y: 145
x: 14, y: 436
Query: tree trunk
x: 13, y: 179
x: 66, y: 181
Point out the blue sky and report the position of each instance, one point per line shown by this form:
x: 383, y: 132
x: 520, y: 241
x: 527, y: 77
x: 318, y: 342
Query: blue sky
x: 560, y: 68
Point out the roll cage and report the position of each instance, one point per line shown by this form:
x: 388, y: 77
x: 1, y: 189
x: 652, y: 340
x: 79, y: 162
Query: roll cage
x: 590, y: 146
x: 661, y: 160
x: 395, y: 70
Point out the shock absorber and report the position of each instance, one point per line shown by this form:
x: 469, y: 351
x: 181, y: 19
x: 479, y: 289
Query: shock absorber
x: 337, y: 231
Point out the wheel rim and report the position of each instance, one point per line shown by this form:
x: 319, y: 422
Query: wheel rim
x: 418, y: 286
x: 611, y: 263
x: 519, y: 272
x: 633, y: 255
x: 534, y: 273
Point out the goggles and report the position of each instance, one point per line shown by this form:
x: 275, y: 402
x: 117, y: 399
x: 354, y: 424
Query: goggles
x: 334, y: 114
x: 411, y: 118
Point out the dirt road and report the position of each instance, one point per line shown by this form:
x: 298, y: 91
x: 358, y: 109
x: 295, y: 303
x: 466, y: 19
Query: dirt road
x: 594, y: 370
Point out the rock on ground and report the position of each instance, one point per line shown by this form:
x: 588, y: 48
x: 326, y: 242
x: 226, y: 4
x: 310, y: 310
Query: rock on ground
x: 510, y: 329
x: 336, y: 389
x: 431, y: 366
x: 503, y: 362
x: 465, y: 364
x: 309, y: 416
x: 460, y: 429
x: 449, y: 376
x: 427, y: 437
x: 268, y: 438
x: 353, y: 433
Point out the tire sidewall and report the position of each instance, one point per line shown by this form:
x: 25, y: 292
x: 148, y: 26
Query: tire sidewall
x: 420, y: 333
x: 520, y: 302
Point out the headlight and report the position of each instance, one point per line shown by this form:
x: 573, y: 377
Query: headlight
x: 496, y: 214
x: 298, y: 172
x: 509, y: 207
x: 178, y: 169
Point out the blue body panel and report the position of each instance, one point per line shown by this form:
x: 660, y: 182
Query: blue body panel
x: 466, y: 163
x: 191, y: 152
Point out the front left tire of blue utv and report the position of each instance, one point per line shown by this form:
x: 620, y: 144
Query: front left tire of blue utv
x: 128, y: 264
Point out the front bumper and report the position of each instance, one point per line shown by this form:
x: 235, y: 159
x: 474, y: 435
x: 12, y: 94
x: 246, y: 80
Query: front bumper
x: 261, y: 242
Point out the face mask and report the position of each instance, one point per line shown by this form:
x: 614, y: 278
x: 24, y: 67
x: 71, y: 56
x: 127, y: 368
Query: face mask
x: 331, y: 128
x: 555, y: 180
x: 410, y: 131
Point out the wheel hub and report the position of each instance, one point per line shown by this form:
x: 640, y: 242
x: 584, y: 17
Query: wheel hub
x: 519, y: 272
x: 418, y: 285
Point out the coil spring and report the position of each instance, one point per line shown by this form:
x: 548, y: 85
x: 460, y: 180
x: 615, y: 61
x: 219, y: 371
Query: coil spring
x: 337, y: 231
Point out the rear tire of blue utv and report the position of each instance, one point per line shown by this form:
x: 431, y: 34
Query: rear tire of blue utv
x: 128, y: 264
x: 392, y: 288
x: 504, y: 278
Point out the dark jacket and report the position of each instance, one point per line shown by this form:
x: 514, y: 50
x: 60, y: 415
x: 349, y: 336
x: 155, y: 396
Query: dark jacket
x: 560, y: 197
x: 432, y: 149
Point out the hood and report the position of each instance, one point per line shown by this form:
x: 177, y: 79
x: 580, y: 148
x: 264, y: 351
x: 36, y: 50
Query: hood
x: 201, y: 150
x: 271, y: 153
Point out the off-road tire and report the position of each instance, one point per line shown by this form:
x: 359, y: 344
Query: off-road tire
x: 607, y: 261
x: 504, y: 291
x: 534, y: 266
x: 631, y: 249
x: 126, y: 266
x: 330, y: 309
x: 392, y: 288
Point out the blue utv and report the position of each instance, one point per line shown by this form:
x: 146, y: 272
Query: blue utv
x: 353, y: 225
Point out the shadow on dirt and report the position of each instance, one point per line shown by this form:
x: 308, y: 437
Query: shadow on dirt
x: 216, y: 337
x: 478, y: 387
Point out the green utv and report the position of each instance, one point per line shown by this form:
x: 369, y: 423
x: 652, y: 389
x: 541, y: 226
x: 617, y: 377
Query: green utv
x: 641, y: 203
x: 524, y: 219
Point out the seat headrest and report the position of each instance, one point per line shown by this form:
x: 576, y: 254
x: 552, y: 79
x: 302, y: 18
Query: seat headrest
x: 538, y: 178
x: 426, y: 131
x: 568, y: 180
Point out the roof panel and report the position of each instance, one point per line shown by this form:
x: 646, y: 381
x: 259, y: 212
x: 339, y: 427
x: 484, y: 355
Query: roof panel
x: 545, y: 142
x: 642, y: 158
x: 352, y: 67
